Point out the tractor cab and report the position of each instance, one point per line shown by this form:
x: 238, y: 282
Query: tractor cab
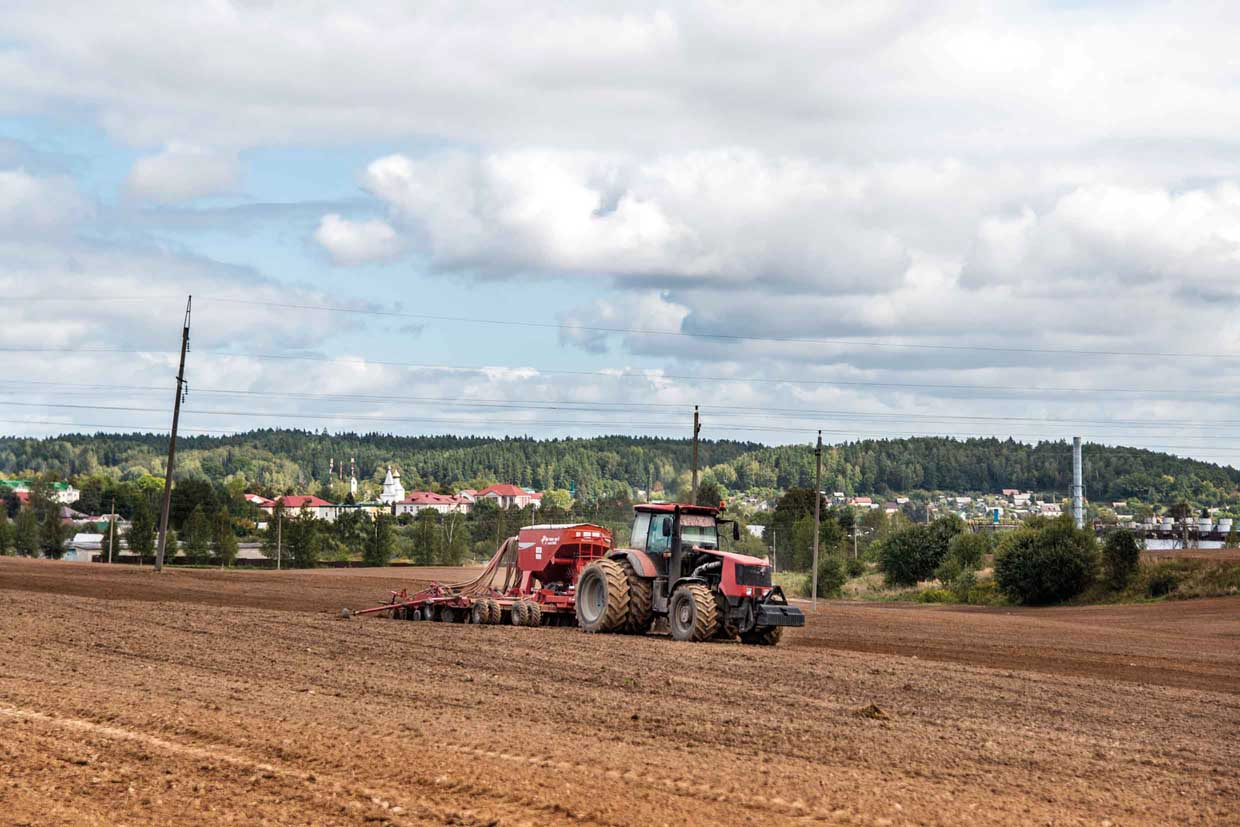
x: 654, y: 525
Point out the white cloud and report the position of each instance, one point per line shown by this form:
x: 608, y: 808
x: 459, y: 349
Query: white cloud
x: 862, y: 79
x: 727, y: 216
x: 182, y: 172
x: 35, y: 205
x: 357, y: 242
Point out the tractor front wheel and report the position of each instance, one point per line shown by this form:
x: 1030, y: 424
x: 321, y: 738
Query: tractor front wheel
x: 693, y: 615
x: 602, y: 597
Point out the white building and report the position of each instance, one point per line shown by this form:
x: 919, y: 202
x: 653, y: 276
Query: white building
x: 443, y: 503
x: 393, y: 492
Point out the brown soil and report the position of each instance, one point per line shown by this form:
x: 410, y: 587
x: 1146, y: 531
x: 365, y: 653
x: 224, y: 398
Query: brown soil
x: 206, y: 697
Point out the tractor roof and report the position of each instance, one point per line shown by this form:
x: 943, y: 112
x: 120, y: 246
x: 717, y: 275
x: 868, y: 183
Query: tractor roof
x: 685, y: 508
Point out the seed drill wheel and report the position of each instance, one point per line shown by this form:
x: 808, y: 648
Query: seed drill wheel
x: 763, y: 635
x: 494, y: 612
x: 519, y: 612
x: 641, y: 596
x: 602, y: 597
x: 427, y: 612
x: 480, y: 612
x: 448, y: 614
x: 533, y: 614
x: 693, y: 614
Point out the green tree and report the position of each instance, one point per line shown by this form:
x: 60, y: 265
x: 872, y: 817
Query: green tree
x: 426, y: 538
x: 223, y: 538
x: 109, y: 542
x: 26, y: 533
x: 6, y: 532
x: 1121, y: 556
x: 141, y: 536
x: 172, y: 544
x: 52, y: 536
x: 303, y: 540
x: 557, y: 498
x: 273, y: 538
x: 709, y: 493
x: 188, y: 495
x: 198, y: 536
x: 831, y: 574
x: 380, y: 543
x: 1046, y: 565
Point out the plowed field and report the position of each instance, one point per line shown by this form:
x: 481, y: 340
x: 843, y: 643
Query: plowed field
x: 240, y: 697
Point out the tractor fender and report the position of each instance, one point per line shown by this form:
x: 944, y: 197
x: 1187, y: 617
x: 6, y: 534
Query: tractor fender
x: 639, y: 560
x: 685, y: 580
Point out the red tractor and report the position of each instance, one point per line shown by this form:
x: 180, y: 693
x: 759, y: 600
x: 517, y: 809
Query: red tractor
x: 676, y: 569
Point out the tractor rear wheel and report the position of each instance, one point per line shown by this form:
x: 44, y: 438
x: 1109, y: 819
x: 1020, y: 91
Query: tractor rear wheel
x: 533, y: 615
x: 693, y: 615
x: 641, y: 596
x: 602, y: 597
x: 763, y: 635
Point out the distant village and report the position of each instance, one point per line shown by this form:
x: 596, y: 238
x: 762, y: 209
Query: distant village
x: 1005, y: 510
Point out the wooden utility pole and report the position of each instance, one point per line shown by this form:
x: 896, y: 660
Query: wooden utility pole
x: 172, y: 443
x: 112, y: 530
x: 279, y: 535
x: 697, y: 427
x: 813, y: 575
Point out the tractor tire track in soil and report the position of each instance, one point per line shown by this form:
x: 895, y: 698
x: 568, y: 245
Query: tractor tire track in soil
x: 208, y: 697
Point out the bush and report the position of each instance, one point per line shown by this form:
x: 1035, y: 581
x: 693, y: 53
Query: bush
x: 962, y: 585
x: 1121, y: 555
x: 831, y: 576
x: 985, y: 593
x: 968, y: 549
x: 856, y: 568
x: 1046, y: 565
x: 1162, y: 581
x: 912, y: 554
x: 935, y: 596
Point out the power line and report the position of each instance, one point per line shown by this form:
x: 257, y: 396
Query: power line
x: 724, y: 411
x: 646, y: 375
x: 638, y: 331
x: 731, y: 337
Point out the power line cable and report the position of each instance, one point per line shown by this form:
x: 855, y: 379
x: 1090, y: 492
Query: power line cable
x: 648, y: 375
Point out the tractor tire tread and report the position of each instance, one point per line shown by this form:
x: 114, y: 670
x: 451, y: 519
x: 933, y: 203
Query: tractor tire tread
x: 641, y: 600
x: 616, y: 613
x: 705, y: 612
x: 533, y: 614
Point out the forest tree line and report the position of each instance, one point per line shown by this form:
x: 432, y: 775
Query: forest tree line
x: 614, y: 468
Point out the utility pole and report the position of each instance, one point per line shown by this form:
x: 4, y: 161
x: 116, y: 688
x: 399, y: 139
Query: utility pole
x: 172, y: 443
x: 279, y: 535
x: 773, y: 558
x: 112, y: 530
x: 697, y: 426
x: 813, y: 575
x: 854, y: 537
x: 1078, y: 497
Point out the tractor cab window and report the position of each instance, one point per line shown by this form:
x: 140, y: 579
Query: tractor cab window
x: 703, y: 535
x: 657, y: 542
x: 641, y: 525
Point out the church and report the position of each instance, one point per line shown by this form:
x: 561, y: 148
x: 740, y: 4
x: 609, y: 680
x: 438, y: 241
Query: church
x: 393, y: 492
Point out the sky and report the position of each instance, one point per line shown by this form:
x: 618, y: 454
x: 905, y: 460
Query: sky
x: 879, y: 218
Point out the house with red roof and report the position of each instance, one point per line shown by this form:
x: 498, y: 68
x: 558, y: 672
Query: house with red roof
x: 417, y: 501
x: 510, y: 496
x: 260, y: 501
